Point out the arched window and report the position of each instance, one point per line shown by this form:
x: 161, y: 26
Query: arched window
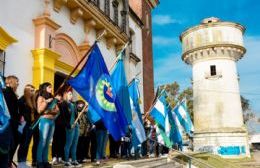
x: 115, y: 7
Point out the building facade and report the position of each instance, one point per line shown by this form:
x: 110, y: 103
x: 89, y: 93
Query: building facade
x: 44, y: 40
x: 143, y: 10
x: 212, y: 49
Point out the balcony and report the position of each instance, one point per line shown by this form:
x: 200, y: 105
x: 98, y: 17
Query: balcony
x: 94, y: 18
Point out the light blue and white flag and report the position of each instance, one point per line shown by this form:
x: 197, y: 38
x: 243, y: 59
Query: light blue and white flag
x: 182, y: 113
x: 138, y: 132
x: 160, y: 110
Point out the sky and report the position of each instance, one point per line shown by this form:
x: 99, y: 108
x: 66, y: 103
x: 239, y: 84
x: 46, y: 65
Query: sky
x: 172, y: 17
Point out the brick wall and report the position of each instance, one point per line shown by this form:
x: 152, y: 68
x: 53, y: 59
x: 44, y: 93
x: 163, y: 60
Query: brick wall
x: 143, y: 11
x: 148, y: 77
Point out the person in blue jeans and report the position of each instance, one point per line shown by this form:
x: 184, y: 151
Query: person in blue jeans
x: 48, y: 109
x: 101, y: 136
x: 69, y: 110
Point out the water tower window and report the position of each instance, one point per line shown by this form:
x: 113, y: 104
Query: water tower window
x: 213, y: 71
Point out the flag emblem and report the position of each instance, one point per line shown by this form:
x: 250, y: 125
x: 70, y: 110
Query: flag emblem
x: 104, y: 94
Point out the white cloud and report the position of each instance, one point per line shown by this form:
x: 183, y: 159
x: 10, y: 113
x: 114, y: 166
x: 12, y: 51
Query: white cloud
x: 165, y: 41
x: 164, y: 20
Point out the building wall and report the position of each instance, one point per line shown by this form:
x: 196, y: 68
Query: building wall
x: 19, y: 24
x: 16, y: 18
x: 217, y: 99
x: 136, y: 68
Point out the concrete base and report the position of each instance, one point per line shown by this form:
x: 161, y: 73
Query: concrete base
x: 225, y: 144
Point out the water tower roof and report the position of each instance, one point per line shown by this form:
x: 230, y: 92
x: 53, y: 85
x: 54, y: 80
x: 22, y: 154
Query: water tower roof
x: 211, y: 22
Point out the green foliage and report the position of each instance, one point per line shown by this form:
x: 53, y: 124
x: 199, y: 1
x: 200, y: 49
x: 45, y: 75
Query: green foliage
x: 247, y: 112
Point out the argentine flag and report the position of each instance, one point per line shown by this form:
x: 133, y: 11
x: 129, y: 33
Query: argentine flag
x: 183, y: 116
x: 160, y: 110
x: 138, y: 134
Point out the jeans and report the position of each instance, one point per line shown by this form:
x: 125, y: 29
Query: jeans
x: 24, y: 143
x: 101, y: 143
x: 46, y: 130
x: 72, y: 137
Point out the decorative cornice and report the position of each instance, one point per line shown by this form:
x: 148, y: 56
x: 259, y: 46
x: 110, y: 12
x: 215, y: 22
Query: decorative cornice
x: 75, y: 14
x: 58, y: 4
x: 89, y: 24
x: 44, y: 20
x: 46, y: 52
x: 134, y: 57
x: 135, y: 17
x: 111, y: 41
x: 218, y: 50
x: 5, y: 39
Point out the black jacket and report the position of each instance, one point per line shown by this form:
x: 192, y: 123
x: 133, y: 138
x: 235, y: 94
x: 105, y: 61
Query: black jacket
x: 25, y: 110
x: 12, y: 104
x: 65, y: 113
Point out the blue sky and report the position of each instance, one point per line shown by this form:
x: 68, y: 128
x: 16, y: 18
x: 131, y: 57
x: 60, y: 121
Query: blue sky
x: 172, y: 17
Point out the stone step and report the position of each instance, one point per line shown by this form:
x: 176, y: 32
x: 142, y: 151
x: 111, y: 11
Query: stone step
x: 149, y: 163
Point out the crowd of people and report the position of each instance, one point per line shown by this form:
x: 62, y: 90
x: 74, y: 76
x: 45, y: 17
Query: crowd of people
x: 64, y: 124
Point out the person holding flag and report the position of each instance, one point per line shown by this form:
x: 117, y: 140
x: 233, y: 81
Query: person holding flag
x: 69, y: 111
x: 94, y: 84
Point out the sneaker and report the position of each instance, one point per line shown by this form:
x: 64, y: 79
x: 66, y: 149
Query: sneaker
x: 76, y: 164
x: 60, y: 160
x: 68, y: 164
x: 54, y: 161
x: 98, y: 163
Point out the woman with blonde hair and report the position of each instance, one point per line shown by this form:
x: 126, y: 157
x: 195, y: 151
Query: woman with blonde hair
x: 27, y: 112
x: 11, y: 99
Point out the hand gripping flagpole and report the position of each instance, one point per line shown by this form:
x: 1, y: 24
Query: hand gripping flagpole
x: 79, y: 116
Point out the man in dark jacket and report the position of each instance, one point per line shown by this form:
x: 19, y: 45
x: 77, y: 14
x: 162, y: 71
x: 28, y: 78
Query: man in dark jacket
x: 12, y: 103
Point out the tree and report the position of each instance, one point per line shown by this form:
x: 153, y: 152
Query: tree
x: 248, y: 115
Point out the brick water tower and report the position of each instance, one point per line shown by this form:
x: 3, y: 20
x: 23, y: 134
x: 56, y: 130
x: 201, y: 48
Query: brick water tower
x: 212, y: 48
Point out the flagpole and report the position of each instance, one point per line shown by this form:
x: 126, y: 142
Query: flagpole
x: 76, y: 67
x: 117, y: 59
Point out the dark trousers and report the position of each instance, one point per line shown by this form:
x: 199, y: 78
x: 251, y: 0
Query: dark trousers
x: 126, y: 149
x: 35, y: 144
x: 83, y: 147
x: 14, y: 141
x: 144, y: 148
x: 4, y: 160
x: 58, y: 142
x: 93, y: 147
x: 24, y: 143
x: 113, y: 147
